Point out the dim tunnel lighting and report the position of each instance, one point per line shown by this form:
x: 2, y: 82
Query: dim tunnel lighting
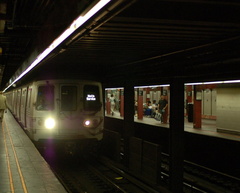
x: 73, y: 27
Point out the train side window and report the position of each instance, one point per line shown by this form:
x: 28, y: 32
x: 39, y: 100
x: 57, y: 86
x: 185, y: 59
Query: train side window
x: 91, y: 98
x: 68, y: 98
x: 45, y: 98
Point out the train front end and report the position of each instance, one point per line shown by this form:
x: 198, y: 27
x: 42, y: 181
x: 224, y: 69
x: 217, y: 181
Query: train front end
x: 69, y: 112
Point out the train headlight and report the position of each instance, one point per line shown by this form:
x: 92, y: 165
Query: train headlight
x: 49, y: 123
x: 87, y: 123
x: 92, y: 122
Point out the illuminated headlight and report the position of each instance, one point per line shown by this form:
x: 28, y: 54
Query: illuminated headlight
x: 90, y: 123
x: 49, y: 123
x: 87, y: 123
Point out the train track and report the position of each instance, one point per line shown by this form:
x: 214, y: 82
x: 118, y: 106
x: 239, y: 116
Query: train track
x: 200, y: 179
x: 89, y: 175
x: 101, y: 175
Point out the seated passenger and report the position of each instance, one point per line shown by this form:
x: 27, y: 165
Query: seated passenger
x: 148, y: 108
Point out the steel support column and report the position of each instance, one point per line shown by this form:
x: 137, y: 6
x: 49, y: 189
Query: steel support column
x: 176, y: 135
x: 128, y: 118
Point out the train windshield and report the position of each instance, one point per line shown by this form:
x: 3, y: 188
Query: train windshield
x: 45, y: 98
x: 91, y: 98
x: 68, y: 98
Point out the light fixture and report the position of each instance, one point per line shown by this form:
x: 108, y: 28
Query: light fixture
x: 114, y: 88
x: 153, y: 86
x: 231, y: 81
x: 73, y: 27
x: 214, y: 82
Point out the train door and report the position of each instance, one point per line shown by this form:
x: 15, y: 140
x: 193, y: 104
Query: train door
x: 19, y: 93
x: 69, y: 117
x: 11, y: 101
x: 92, y: 106
x: 92, y: 99
x: 23, y: 106
x: 14, y: 103
x: 29, y: 107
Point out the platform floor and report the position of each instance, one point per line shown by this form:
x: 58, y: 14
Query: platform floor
x: 22, y: 168
x: 208, y: 126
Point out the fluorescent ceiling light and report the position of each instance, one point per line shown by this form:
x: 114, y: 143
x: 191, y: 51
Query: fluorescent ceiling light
x: 152, y: 86
x: 231, y: 81
x: 114, y: 88
x: 196, y: 83
x: 214, y: 82
x: 73, y: 27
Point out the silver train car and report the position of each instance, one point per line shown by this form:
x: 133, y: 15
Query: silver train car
x: 61, y: 110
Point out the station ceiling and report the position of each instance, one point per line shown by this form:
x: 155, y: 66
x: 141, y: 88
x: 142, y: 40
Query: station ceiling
x: 136, y: 40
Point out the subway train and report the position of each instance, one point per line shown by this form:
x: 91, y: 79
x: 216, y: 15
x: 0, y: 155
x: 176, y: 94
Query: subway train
x: 59, y: 110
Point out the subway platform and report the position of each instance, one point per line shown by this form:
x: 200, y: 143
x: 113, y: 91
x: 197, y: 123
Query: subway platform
x: 22, y: 168
x: 209, y: 127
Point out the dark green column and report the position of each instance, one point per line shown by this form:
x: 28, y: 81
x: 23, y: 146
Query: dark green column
x: 176, y: 135
x: 128, y: 118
